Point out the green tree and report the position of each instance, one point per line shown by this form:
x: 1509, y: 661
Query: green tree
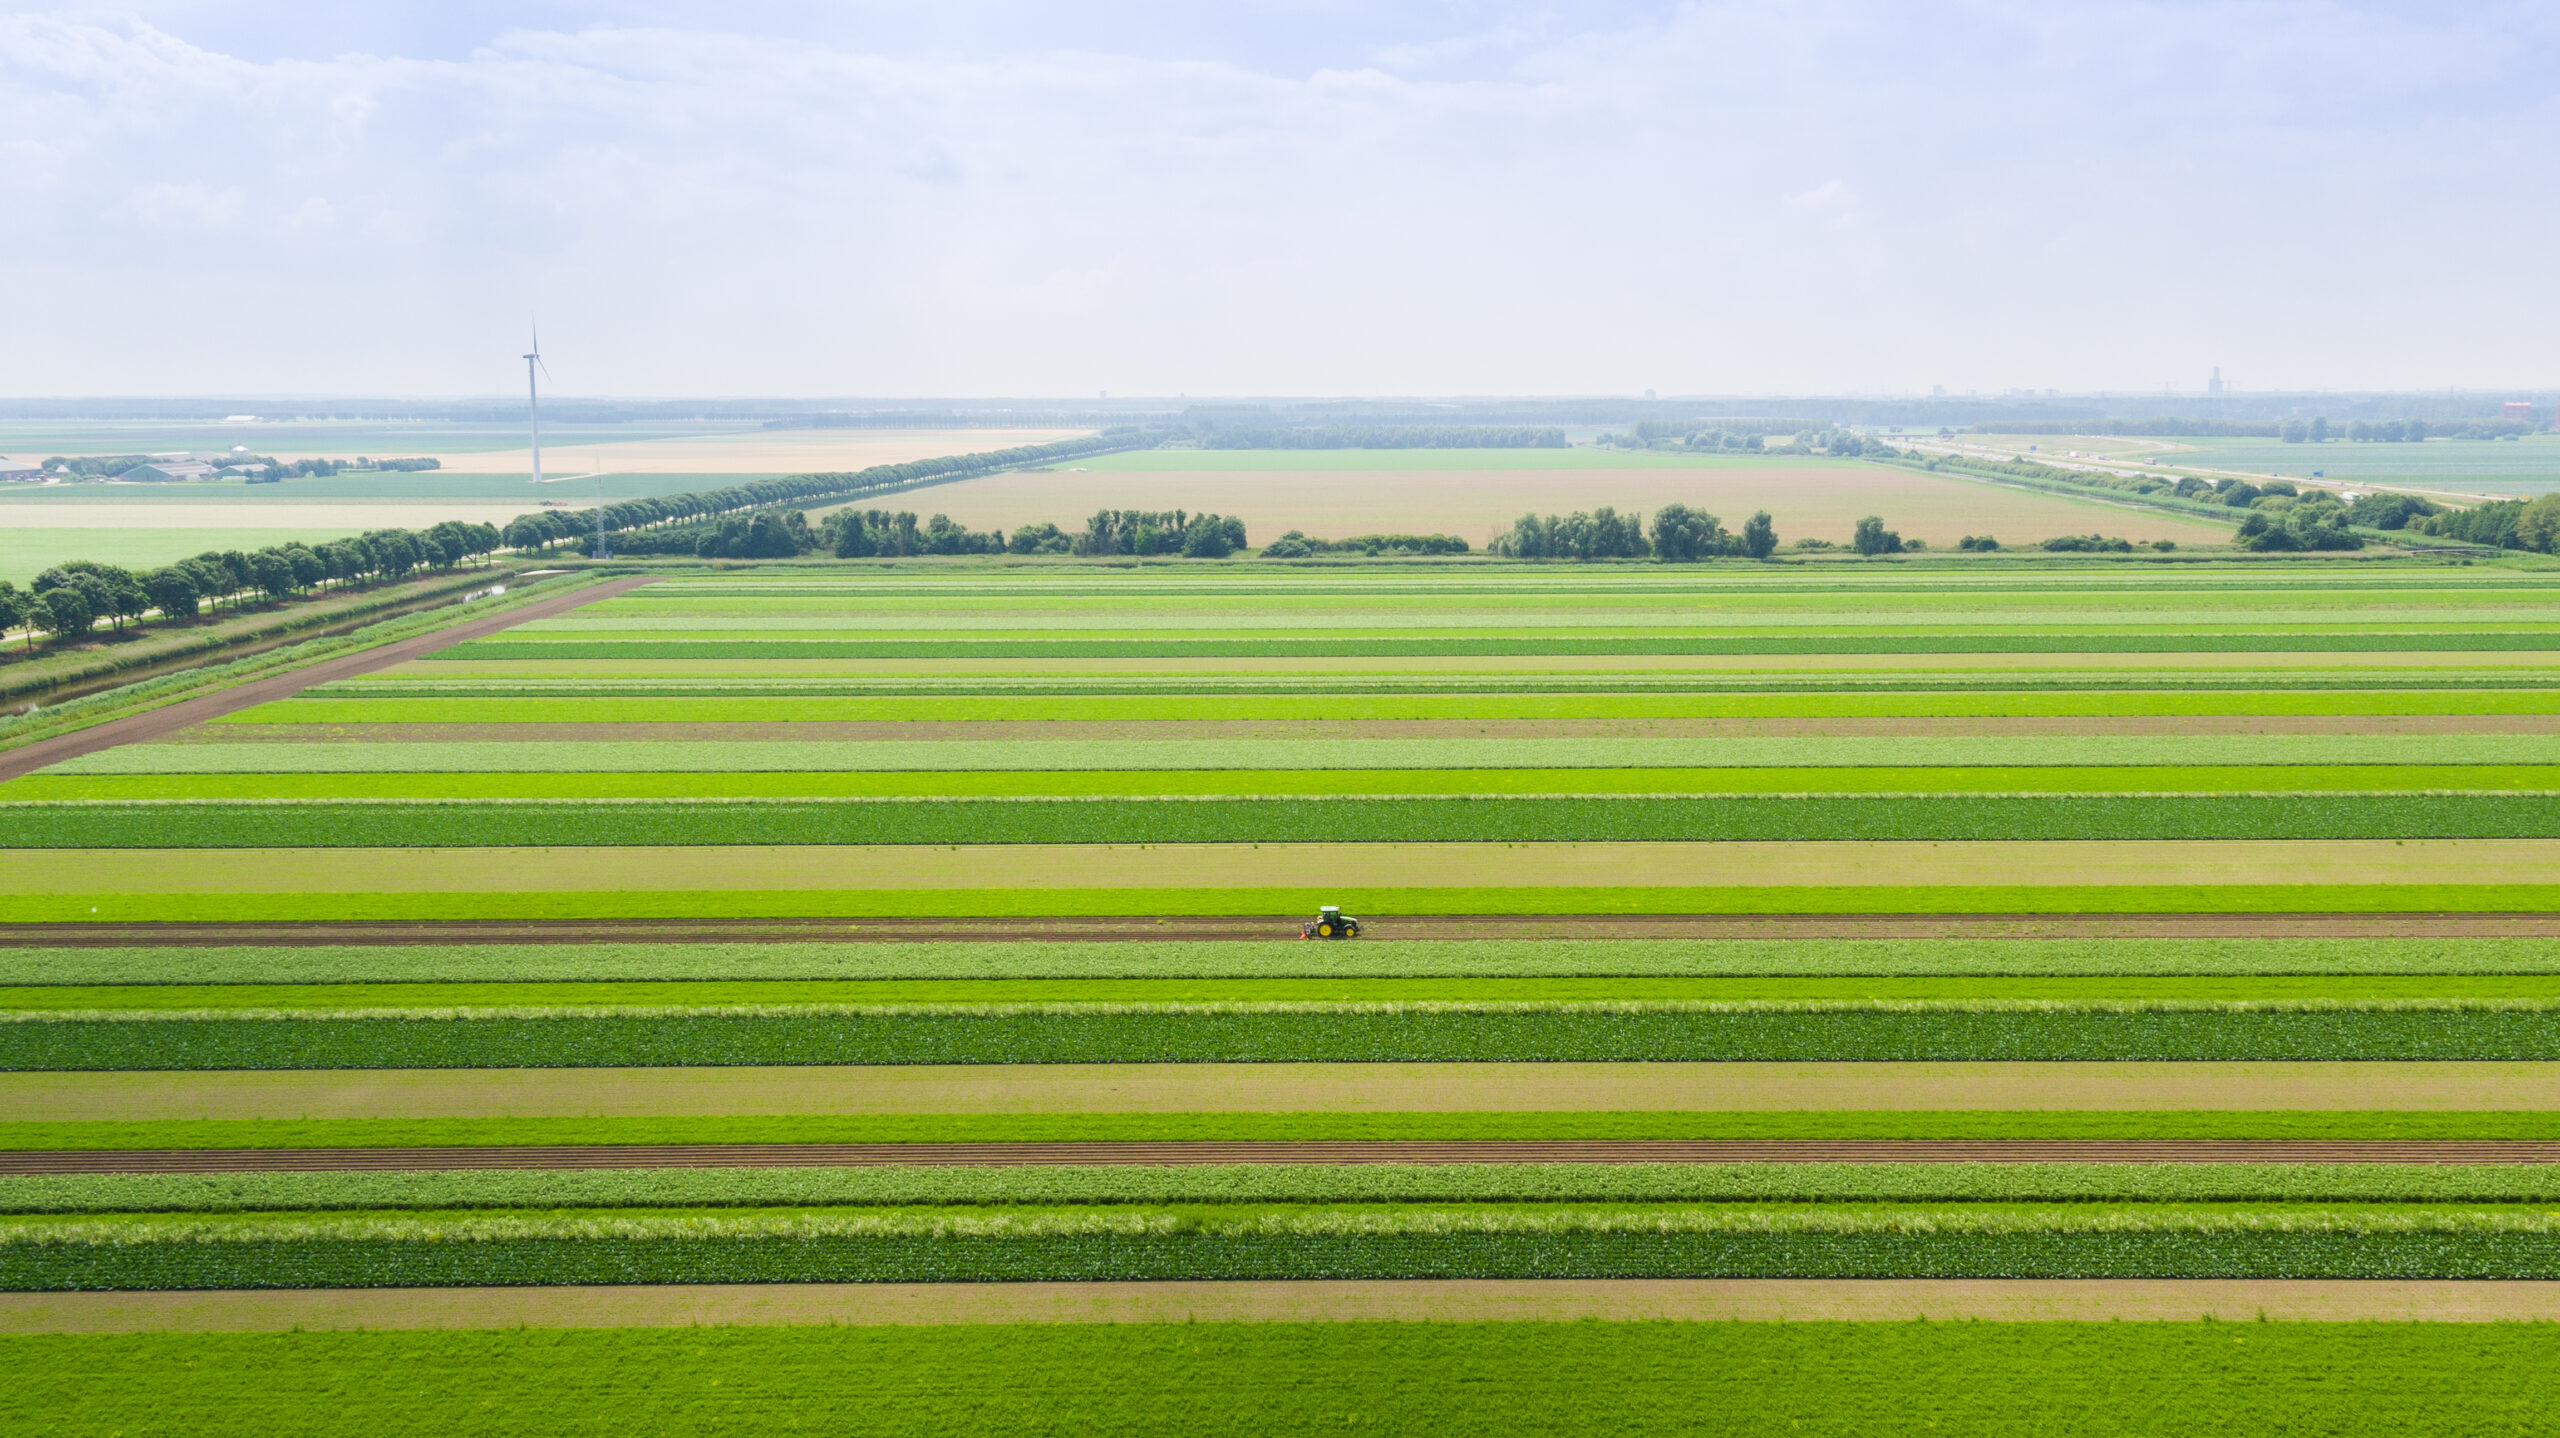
x: 1759, y: 536
x: 15, y: 609
x: 1872, y: 538
x: 273, y: 573
x: 1682, y: 535
x: 2538, y: 524
x: 172, y: 592
x: 67, y: 612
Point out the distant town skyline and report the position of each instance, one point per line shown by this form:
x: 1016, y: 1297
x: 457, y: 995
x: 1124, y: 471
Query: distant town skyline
x: 1278, y: 198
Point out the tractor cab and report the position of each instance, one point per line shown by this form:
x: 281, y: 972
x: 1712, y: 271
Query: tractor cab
x: 1330, y: 923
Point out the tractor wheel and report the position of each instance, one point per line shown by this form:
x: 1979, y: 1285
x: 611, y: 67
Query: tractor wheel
x: 1324, y: 931
x: 1351, y: 929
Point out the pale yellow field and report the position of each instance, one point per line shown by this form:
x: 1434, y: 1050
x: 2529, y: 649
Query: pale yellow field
x: 781, y: 451
x: 1401, y: 1300
x: 1817, y: 501
x: 1271, y: 1088
x: 1266, y: 866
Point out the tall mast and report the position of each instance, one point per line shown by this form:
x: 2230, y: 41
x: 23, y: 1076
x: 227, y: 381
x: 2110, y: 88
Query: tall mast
x: 533, y: 403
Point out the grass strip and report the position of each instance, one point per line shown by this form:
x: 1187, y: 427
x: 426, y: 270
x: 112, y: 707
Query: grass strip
x: 1285, y: 1380
x: 2239, y: 752
x: 464, y: 1189
x: 1378, y: 1033
x: 1090, y: 961
x: 1985, y: 1124
x: 497, y: 823
x: 705, y: 994
x: 1131, y: 1243
x: 2263, y: 642
x: 382, y: 705
x: 1532, y: 1379
x: 322, y: 906
x: 1373, y: 783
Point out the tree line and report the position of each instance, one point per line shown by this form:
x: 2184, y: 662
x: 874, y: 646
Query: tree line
x: 544, y: 528
x: 68, y: 600
x: 1380, y: 436
x: 1675, y: 534
x: 1296, y: 545
x: 109, y: 466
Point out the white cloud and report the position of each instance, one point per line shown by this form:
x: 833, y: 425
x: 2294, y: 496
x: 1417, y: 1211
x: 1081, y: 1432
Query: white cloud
x: 2312, y: 193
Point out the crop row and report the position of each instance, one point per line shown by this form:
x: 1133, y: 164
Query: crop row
x: 1607, y: 697
x: 2325, y: 1125
x: 2233, y: 957
x: 523, y: 997
x: 1370, y: 784
x: 1122, y: 1246
x: 1706, y: 755
x: 1307, y: 1183
x: 1381, y: 1033
x: 300, y: 893
x: 2366, y: 642
x: 252, y: 824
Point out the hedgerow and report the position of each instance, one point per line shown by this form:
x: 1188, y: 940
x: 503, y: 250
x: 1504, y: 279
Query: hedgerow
x: 2517, y: 1030
x: 399, y: 823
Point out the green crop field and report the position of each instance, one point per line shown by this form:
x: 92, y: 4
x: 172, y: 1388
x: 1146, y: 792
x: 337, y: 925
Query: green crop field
x: 832, y: 934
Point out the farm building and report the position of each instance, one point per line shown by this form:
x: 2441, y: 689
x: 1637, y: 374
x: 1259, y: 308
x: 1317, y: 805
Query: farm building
x: 169, y: 469
x: 20, y: 469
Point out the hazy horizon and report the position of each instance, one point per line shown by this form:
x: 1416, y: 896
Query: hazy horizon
x: 1277, y: 199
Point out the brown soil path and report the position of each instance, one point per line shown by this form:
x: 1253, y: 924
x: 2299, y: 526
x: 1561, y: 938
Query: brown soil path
x: 159, y: 723
x: 1340, y: 1301
x: 1373, y: 930
x: 289, y: 1094
x: 1024, y: 1155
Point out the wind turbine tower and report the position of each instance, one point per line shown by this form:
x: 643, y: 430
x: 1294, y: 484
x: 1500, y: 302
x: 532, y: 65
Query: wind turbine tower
x: 533, y: 400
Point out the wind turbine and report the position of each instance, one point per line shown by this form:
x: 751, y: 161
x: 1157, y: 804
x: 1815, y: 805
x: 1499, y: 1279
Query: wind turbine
x: 533, y: 400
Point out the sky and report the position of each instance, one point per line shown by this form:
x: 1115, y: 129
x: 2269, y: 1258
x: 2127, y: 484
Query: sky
x: 1277, y: 197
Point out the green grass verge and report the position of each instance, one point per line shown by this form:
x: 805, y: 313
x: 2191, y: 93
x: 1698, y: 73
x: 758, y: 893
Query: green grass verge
x: 497, y: 823
x: 2396, y: 1380
x: 210, y: 971
x: 326, y: 906
x: 2339, y: 1125
x: 1374, y: 1033
x: 1092, y: 1184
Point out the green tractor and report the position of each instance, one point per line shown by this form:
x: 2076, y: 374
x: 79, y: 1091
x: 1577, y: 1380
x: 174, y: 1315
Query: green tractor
x: 1330, y: 923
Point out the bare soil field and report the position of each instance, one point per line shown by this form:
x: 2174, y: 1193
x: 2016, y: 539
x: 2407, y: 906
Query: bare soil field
x: 779, y: 451
x: 860, y: 731
x: 1273, y: 1088
x: 1822, y: 863
x: 1799, y: 1300
x: 1822, y: 502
